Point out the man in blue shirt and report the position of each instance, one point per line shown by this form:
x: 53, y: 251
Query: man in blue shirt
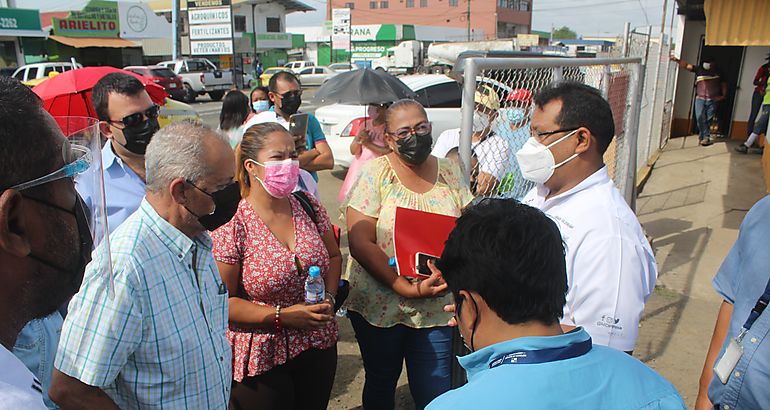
x: 130, y: 120
x: 504, y: 263
x: 741, y: 281
x: 286, y: 96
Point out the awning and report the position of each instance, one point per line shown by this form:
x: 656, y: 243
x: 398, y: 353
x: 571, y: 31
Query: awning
x: 83, y: 42
x: 737, y: 23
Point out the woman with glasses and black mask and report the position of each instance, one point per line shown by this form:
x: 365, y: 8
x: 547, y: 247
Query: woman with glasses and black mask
x: 395, y: 319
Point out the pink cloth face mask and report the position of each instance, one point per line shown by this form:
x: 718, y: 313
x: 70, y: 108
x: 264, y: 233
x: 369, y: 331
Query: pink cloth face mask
x: 281, y: 177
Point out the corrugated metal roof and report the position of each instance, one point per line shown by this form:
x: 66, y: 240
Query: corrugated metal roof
x: 737, y: 23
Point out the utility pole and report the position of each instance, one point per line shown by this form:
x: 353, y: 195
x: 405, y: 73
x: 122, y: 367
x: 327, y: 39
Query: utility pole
x: 175, y: 29
x: 468, y: 19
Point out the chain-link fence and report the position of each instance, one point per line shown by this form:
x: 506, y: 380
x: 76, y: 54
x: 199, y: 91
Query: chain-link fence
x: 497, y: 107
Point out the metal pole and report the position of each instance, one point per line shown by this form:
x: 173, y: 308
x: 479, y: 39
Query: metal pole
x: 632, y: 135
x: 626, y: 38
x: 175, y: 30
x: 466, y: 116
x: 655, y: 87
x: 468, y: 18
x: 254, y: 31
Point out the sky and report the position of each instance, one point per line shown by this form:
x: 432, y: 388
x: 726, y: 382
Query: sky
x: 586, y: 17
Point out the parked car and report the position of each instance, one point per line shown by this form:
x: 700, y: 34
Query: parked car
x: 162, y: 76
x: 297, y: 66
x: 342, y: 67
x: 34, y: 74
x: 315, y: 75
x: 200, y: 76
x: 264, y: 79
x: 440, y: 95
x: 173, y: 111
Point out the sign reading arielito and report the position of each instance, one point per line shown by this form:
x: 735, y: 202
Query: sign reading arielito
x: 98, y: 18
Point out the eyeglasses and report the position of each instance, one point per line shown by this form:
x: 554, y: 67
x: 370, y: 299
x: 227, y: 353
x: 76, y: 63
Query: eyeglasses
x: 540, y: 135
x: 138, y: 118
x: 297, y: 93
x: 77, y: 159
x: 421, y: 129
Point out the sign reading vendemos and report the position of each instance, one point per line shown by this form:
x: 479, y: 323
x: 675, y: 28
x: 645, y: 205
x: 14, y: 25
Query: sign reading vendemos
x: 207, y: 3
x: 341, y: 29
x: 211, y: 31
x: 98, y: 19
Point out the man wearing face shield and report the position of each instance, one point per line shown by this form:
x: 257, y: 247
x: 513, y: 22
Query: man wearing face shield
x: 504, y: 264
x: 610, y: 265
x: 286, y: 96
x: 130, y: 119
x: 160, y: 340
x: 45, y: 241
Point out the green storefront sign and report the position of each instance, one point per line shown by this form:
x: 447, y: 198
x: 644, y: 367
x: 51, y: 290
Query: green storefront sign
x: 98, y: 19
x: 19, y: 19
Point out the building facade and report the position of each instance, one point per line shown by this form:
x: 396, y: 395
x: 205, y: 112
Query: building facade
x: 489, y: 19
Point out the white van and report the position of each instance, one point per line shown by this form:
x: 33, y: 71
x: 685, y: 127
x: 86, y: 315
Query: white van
x: 297, y: 66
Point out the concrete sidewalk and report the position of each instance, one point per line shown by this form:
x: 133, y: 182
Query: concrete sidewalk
x: 692, y: 207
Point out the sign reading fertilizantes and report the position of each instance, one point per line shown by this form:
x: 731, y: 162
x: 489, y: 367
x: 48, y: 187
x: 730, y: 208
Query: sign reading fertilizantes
x: 211, y: 31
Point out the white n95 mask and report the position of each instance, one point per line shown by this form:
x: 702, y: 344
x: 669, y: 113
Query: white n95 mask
x: 536, y: 160
x: 480, y: 121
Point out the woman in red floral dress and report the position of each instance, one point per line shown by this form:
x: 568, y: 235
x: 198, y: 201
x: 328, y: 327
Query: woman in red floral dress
x: 284, y: 351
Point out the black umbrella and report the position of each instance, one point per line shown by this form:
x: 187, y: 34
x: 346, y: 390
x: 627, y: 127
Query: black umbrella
x: 363, y: 86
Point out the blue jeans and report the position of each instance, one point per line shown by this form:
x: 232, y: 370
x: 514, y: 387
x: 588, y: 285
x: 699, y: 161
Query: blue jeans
x: 756, y: 103
x: 704, y: 112
x: 428, y: 355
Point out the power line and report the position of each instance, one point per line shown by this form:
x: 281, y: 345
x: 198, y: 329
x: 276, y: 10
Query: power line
x: 580, y: 6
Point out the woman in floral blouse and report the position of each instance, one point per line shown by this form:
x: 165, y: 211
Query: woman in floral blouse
x: 284, y: 351
x: 395, y: 319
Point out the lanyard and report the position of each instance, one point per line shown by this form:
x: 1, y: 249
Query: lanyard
x: 543, y: 355
x: 758, y: 308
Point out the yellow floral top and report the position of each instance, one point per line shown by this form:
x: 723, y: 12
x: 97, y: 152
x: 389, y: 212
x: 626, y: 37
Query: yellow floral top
x: 377, y: 193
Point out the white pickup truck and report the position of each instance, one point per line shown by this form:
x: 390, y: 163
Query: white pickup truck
x: 200, y: 76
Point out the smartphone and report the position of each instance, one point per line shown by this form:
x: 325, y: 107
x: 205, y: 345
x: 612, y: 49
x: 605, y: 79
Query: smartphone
x: 421, y: 263
x: 298, y: 125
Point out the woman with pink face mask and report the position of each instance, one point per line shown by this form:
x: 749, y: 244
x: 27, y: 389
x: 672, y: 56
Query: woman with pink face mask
x: 368, y: 144
x: 264, y: 254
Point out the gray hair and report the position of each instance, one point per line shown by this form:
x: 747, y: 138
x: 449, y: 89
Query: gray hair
x: 178, y: 151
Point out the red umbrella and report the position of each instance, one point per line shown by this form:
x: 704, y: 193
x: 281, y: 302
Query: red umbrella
x: 69, y: 93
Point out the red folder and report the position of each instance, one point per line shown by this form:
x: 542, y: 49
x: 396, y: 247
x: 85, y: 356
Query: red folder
x: 418, y: 231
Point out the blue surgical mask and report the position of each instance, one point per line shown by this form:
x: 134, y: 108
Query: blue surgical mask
x: 260, y: 105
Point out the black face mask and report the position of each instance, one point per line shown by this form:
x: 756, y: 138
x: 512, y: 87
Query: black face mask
x: 290, y: 104
x: 84, y: 237
x: 225, y: 205
x: 139, y: 136
x: 414, y: 149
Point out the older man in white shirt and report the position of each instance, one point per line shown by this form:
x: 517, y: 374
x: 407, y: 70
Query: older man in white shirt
x: 611, y: 268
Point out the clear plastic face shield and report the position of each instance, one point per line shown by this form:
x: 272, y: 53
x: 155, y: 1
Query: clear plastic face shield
x: 82, y: 157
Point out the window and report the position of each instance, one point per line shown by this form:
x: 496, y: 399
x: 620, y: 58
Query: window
x: 372, y: 4
x: 423, y: 3
x: 445, y: 95
x: 306, y: 71
x: 383, y: 4
x: 350, y: 5
x: 319, y: 71
x: 524, y: 5
x: 32, y: 73
x: 20, y: 75
x: 273, y: 24
x: 452, y: 3
x: 409, y: 3
x: 240, y: 23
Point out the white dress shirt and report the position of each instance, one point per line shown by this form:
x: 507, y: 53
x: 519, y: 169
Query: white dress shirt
x: 611, y: 268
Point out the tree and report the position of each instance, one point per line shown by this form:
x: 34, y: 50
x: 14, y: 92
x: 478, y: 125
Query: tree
x: 564, y: 33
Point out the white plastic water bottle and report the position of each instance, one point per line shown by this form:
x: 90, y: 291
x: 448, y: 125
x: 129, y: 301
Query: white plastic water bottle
x: 315, y: 291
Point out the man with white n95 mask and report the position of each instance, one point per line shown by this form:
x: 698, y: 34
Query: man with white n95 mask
x: 611, y: 268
